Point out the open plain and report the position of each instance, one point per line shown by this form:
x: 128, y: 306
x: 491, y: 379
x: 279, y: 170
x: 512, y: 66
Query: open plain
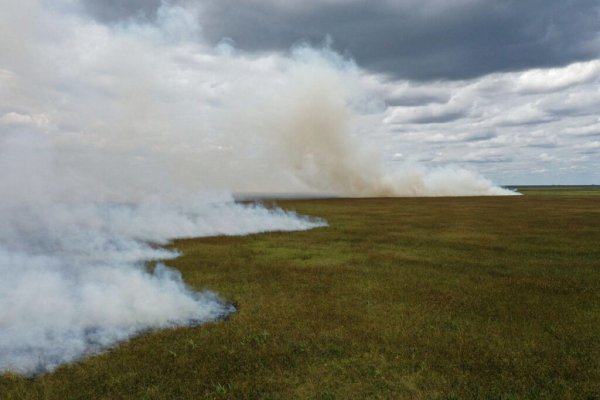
x: 416, y: 298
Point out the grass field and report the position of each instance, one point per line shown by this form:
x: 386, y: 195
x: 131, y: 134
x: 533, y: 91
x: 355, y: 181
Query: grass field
x: 589, y: 190
x: 433, y: 298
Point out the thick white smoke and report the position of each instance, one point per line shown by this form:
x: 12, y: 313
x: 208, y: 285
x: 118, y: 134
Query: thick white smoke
x: 73, y: 273
x: 112, y: 139
x: 74, y: 279
x: 309, y: 131
x: 94, y: 178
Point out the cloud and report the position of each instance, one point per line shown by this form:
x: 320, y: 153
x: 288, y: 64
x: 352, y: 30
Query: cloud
x: 15, y: 119
x: 464, y: 137
x: 516, y: 126
x: 486, y: 156
x: 527, y: 114
x: 407, y: 93
x: 586, y: 130
x: 421, y: 40
x: 590, y: 145
x: 120, y: 10
x: 575, y: 102
x: 454, y: 109
x: 546, y: 157
x: 553, y: 79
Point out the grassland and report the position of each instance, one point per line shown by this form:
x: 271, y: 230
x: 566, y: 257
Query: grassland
x: 436, y: 298
x: 559, y: 190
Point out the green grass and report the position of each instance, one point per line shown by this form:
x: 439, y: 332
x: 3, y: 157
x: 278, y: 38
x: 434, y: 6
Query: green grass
x: 435, y: 298
x: 560, y: 190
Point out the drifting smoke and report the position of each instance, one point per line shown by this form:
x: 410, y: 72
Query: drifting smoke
x: 74, y: 282
x: 309, y: 129
x: 74, y: 279
x: 107, y: 135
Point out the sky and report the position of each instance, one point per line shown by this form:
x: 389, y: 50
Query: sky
x: 508, y: 88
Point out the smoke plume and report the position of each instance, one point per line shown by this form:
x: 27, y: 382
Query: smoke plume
x: 117, y: 138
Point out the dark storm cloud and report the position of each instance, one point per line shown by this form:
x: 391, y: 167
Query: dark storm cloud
x: 426, y: 39
x: 110, y: 11
x: 420, y: 40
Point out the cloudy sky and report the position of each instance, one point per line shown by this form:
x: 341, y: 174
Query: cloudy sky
x: 509, y: 88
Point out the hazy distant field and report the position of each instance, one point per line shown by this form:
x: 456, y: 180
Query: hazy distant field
x: 493, y: 298
x: 588, y: 190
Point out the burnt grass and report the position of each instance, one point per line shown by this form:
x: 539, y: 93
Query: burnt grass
x: 422, y: 298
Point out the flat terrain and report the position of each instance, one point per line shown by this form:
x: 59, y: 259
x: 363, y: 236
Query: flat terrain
x: 449, y: 298
x: 589, y: 190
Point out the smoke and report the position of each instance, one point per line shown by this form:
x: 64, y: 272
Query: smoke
x: 74, y: 279
x: 74, y: 273
x: 116, y: 139
x: 310, y: 132
x: 155, y: 99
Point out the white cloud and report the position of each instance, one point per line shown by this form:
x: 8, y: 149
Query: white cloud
x: 486, y: 156
x: 455, y: 108
x: 553, y: 79
x: 16, y: 119
x: 525, y: 114
x: 590, y: 145
x: 585, y: 130
x: 515, y: 124
x: 546, y: 157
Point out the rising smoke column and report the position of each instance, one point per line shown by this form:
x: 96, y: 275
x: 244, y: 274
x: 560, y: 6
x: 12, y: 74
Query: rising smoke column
x: 115, y: 139
x: 310, y: 134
